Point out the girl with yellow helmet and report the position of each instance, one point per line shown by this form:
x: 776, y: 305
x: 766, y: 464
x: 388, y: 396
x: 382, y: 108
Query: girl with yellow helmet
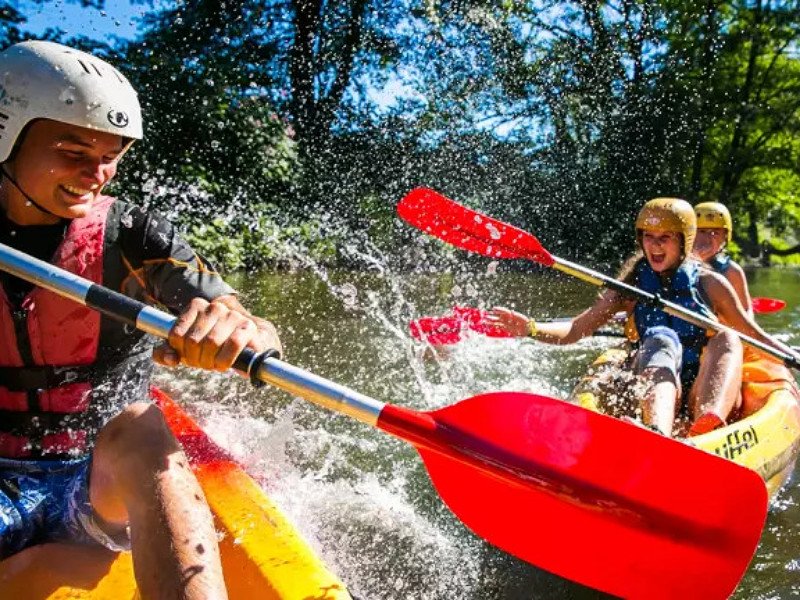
x: 691, y: 371
x: 714, y: 233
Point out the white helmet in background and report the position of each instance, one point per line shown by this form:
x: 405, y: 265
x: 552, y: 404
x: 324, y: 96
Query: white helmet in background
x: 45, y: 80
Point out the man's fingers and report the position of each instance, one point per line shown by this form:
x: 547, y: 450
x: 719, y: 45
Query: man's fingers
x: 164, y: 355
x: 241, y: 335
x: 183, y: 324
x: 212, y: 335
x: 197, y: 336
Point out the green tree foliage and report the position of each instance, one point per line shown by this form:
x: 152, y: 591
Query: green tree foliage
x: 10, y: 20
x: 216, y: 156
x: 750, y: 155
x: 623, y: 101
x: 13, y: 20
x: 561, y: 116
x: 240, y: 98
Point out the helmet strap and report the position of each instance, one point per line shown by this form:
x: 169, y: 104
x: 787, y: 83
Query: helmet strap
x: 7, y: 175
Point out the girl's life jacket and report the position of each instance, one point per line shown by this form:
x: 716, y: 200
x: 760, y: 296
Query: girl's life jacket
x: 681, y: 287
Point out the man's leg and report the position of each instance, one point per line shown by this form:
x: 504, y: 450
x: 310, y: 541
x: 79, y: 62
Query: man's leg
x: 141, y: 477
x: 718, y: 387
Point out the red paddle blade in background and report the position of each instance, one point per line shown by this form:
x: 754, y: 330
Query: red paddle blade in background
x: 767, y: 305
x: 448, y: 328
x: 475, y: 318
x: 438, y: 331
x: 468, y: 229
x: 590, y: 498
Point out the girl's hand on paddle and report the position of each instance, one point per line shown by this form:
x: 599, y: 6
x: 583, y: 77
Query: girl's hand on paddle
x: 210, y: 335
x: 509, y: 320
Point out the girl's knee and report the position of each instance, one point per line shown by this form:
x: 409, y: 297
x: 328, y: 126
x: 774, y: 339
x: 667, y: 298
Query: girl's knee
x: 725, y: 341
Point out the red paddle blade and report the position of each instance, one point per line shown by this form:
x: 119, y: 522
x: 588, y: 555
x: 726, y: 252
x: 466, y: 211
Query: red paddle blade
x: 767, y: 305
x: 439, y: 331
x: 590, y: 498
x: 447, y: 329
x: 475, y: 319
x: 467, y: 229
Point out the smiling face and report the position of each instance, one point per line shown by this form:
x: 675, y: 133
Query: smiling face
x: 63, y: 168
x: 709, y: 242
x: 663, y: 249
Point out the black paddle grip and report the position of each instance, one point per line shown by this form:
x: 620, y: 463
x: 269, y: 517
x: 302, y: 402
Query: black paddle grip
x: 114, y: 304
x: 249, y: 362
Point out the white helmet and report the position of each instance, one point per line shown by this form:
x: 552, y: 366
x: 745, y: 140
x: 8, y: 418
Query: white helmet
x: 45, y: 80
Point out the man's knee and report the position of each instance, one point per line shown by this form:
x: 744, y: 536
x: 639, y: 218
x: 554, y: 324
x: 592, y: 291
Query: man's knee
x: 139, y: 433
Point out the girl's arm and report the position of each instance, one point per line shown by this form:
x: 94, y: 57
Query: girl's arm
x: 562, y: 332
x: 736, y: 278
x: 726, y: 305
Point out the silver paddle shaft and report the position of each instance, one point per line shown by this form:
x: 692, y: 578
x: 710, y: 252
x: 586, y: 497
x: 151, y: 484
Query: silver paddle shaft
x: 158, y: 323
x: 598, y: 279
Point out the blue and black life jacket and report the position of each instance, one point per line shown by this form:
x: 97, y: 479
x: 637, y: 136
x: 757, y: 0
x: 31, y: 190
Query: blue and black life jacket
x: 720, y: 262
x: 679, y: 287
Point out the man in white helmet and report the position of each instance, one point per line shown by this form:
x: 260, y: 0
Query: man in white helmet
x: 84, y: 456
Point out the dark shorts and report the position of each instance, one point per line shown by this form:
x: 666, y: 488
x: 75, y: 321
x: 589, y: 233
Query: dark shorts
x: 48, y: 501
x: 661, y: 348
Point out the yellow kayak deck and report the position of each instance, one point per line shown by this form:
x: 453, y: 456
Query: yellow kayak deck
x: 263, y: 556
x: 767, y: 441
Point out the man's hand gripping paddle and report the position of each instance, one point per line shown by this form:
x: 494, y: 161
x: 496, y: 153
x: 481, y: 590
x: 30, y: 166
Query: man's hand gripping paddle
x: 580, y: 494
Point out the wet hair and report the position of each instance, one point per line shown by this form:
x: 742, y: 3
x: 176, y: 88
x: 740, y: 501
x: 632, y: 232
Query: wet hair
x: 625, y: 272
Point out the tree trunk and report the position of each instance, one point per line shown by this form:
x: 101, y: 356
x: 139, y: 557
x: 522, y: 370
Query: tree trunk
x: 314, y: 103
x: 771, y: 249
x: 734, y: 163
x: 707, y: 66
x: 303, y: 75
x: 344, y: 68
x: 752, y: 233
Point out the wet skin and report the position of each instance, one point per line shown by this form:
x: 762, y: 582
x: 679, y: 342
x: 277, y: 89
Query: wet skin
x: 716, y: 388
x: 63, y: 168
x: 662, y: 249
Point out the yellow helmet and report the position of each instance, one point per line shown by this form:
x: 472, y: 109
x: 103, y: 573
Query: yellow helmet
x: 669, y: 214
x: 713, y: 215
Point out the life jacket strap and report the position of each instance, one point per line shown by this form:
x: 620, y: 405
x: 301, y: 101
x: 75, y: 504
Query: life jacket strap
x: 23, y: 379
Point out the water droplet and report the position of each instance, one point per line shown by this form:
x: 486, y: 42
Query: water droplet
x: 494, y: 233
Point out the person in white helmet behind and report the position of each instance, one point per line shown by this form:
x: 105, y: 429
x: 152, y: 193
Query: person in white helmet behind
x: 89, y: 453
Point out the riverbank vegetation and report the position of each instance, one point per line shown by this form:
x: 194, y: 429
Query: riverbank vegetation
x: 284, y: 129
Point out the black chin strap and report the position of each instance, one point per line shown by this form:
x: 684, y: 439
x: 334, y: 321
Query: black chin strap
x: 5, y: 173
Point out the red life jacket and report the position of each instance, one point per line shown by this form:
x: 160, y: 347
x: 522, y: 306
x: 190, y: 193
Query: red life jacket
x: 38, y: 407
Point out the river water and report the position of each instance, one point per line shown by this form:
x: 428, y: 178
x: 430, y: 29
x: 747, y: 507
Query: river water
x: 361, y: 497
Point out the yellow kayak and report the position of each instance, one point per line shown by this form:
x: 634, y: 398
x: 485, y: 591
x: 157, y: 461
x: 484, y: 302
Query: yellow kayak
x: 766, y: 441
x: 263, y: 556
